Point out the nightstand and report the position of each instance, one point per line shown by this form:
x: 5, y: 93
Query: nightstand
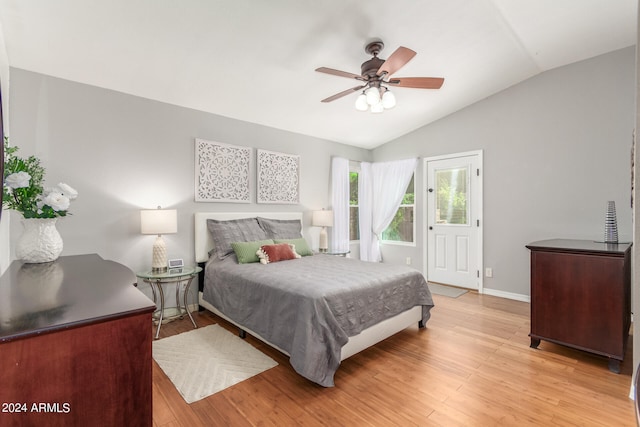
x: 179, y: 276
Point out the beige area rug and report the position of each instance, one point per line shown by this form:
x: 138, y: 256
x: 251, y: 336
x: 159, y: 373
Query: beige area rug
x: 207, y: 360
x: 447, y: 291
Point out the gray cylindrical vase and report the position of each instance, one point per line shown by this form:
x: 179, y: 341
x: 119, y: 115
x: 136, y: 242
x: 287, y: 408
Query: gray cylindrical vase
x: 611, y: 224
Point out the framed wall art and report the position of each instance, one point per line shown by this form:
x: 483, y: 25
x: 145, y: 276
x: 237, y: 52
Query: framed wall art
x: 278, y: 177
x: 222, y: 172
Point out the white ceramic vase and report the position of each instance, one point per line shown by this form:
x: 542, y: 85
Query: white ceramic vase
x: 40, y: 241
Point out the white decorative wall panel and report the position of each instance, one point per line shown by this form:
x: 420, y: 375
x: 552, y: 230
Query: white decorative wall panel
x: 222, y: 172
x: 278, y: 177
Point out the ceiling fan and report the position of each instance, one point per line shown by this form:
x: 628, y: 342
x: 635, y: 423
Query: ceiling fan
x: 376, y: 76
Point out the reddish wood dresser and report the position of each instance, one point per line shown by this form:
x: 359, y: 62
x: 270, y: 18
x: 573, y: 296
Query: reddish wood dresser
x: 75, y: 345
x: 581, y: 296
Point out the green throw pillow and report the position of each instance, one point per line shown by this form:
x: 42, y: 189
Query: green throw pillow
x: 302, y: 248
x: 246, y: 251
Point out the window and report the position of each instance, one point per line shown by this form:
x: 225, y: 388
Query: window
x: 451, y: 196
x: 354, y: 228
x: 402, y: 225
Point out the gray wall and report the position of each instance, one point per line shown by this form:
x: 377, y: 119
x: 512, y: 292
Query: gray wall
x: 124, y: 153
x: 556, y: 148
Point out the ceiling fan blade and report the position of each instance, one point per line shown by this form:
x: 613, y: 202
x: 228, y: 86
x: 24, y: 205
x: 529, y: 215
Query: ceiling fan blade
x: 339, y: 73
x: 343, y: 93
x: 417, y: 82
x: 401, y: 56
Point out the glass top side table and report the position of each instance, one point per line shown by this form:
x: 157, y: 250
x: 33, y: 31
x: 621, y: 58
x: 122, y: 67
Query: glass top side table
x: 174, y: 275
x: 342, y: 254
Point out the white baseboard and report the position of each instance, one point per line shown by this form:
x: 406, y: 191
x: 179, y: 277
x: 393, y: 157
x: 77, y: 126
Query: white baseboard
x: 507, y: 295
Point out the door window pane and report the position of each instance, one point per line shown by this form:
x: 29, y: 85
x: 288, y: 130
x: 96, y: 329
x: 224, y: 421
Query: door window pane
x: 452, y: 196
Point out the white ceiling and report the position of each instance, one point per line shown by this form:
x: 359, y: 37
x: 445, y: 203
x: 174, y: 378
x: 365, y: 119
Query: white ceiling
x: 254, y: 60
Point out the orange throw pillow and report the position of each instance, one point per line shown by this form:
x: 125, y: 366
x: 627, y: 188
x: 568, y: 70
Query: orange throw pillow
x: 277, y: 252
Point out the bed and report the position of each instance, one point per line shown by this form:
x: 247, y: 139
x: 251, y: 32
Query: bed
x: 317, y: 309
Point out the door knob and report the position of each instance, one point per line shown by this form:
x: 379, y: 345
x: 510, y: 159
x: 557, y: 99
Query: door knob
x: 430, y: 228
x: 431, y: 190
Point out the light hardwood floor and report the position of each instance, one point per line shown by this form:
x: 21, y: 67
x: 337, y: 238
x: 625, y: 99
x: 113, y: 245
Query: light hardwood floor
x: 471, y: 366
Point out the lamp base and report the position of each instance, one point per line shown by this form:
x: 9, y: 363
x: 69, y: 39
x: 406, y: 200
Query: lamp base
x: 323, y: 246
x: 159, y: 256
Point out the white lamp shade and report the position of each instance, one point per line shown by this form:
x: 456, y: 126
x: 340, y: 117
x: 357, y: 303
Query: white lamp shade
x: 373, y: 95
x: 158, y: 221
x: 388, y: 100
x: 361, y: 102
x: 322, y: 218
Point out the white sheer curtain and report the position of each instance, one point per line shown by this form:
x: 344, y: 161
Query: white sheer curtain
x: 340, y: 204
x: 381, y: 187
x: 365, y: 205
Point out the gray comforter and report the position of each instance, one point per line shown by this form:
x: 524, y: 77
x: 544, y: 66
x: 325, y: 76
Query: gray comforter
x: 309, y: 307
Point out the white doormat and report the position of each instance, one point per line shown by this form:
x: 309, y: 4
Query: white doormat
x: 447, y: 291
x: 207, y: 360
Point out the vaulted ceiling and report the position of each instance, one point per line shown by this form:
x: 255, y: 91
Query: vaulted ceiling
x: 254, y: 60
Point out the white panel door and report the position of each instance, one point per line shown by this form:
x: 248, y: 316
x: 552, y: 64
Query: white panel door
x: 453, y: 232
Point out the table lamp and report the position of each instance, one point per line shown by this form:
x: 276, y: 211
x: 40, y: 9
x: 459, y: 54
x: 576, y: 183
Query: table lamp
x: 322, y: 219
x: 159, y: 221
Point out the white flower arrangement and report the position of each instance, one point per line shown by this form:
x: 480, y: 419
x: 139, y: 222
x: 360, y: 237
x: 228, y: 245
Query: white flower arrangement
x: 23, y: 191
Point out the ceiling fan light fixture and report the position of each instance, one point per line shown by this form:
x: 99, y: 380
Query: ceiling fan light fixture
x: 388, y: 99
x: 376, y: 73
x: 361, y: 102
x: 373, y: 95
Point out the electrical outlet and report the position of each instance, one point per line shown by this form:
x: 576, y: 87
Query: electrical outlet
x: 488, y: 272
x: 408, y: 260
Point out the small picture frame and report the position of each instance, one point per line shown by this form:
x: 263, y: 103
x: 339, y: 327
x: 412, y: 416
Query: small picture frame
x: 176, y: 263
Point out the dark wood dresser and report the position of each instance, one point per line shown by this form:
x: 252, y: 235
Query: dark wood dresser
x: 75, y: 345
x: 581, y: 296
